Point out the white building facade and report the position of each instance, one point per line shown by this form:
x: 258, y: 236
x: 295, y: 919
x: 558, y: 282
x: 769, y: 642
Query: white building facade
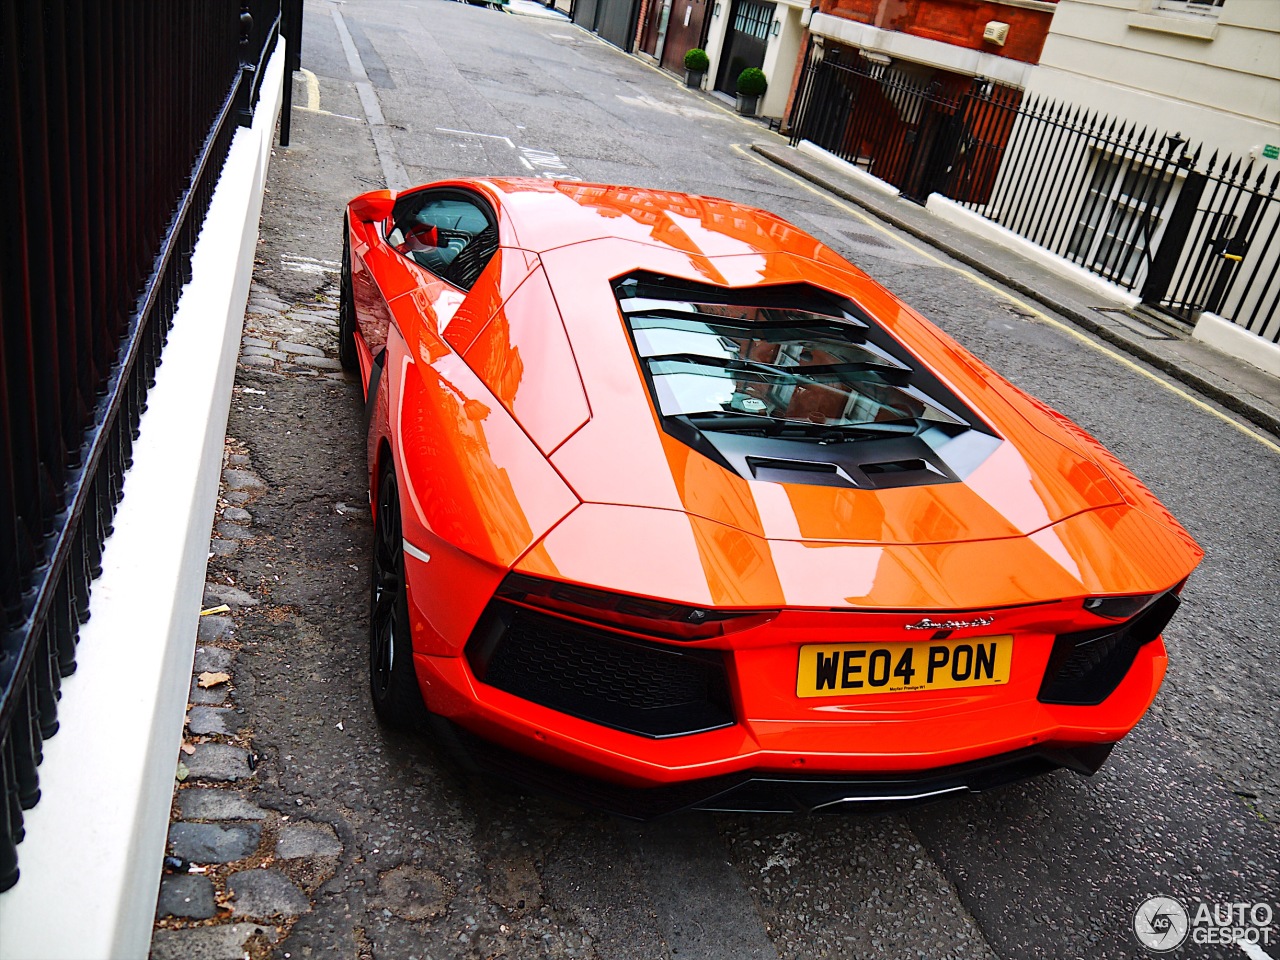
x: 1208, y: 69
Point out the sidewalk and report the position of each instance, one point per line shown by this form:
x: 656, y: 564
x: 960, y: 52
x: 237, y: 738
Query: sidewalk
x: 532, y: 8
x: 1236, y: 385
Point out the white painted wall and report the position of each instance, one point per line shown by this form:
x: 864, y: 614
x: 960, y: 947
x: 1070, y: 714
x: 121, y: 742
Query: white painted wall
x: 90, y: 863
x: 1214, y: 81
x: 780, y: 56
x: 1238, y: 342
x: 715, y: 38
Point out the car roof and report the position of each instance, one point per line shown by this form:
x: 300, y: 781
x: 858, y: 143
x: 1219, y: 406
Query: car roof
x: 540, y: 215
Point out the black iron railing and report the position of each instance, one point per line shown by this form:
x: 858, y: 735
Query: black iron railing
x: 1084, y: 186
x: 118, y: 118
x: 918, y: 135
x: 1219, y: 253
x: 1130, y: 204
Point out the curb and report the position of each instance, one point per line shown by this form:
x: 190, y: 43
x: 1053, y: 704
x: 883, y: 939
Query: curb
x: 1256, y: 410
x: 94, y: 844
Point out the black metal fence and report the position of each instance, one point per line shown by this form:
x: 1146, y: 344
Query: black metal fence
x: 1132, y: 205
x: 118, y: 118
x: 916, y: 133
x: 1086, y: 187
x: 1219, y: 252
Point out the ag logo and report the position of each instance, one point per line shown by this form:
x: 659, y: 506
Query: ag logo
x: 1161, y: 924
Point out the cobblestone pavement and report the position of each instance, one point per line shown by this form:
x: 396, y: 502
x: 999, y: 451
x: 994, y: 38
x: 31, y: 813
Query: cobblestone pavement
x: 238, y: 873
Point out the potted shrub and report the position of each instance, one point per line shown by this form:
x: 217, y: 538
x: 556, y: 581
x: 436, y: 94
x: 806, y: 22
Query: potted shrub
x: 751, y: 87
x: 696, y: 63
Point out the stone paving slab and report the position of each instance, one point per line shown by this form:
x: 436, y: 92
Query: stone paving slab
x: 213, y: 660
x: 213, y: 627
x: 219, y: 761
x: 211, y: 721
x: 188, y: 895
x: 208, y: 695
x: 265, y: 893
x: 231, y: 596
x: 307, y: 840
x: 213, y: 842
x: 206, y: 943
x: 212, y: 803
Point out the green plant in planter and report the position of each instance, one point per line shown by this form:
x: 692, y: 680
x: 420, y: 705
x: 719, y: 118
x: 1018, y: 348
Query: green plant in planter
x: 752, y: 82
x: 697, y: 61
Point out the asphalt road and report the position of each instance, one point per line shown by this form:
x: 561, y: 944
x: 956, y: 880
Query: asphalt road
x: 435, y: 865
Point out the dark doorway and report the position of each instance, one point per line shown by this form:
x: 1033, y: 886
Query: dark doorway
x: 613, y: 20
x: 745, y: 41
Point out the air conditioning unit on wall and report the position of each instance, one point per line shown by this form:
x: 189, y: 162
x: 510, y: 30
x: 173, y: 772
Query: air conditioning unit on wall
x: 996, y: 32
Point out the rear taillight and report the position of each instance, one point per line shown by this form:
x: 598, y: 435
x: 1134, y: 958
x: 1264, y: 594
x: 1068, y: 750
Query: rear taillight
x: 636, y: 614
x: 1119, y: 608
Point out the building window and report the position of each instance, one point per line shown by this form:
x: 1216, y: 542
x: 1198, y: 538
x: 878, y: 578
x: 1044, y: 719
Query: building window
x: 1202, y: 8
x: 1119, y: 220
x: 753, y: 19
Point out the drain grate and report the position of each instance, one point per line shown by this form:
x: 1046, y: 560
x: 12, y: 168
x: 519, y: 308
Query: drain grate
x: 866, y: 239
x: 1136, y: 323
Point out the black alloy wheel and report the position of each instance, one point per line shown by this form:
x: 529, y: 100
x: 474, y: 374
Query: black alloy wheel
x: 393, y: 685
x: 346, y: 311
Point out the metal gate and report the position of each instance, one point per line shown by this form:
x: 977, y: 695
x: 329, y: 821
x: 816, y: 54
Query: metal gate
x: 919, y: 135
x: 1218, y: 252
x: 612, y: 20
x: 1129, y: 203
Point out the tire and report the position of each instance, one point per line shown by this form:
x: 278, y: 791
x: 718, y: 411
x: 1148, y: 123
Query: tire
x: 346, y: 311
x: 393, y: 685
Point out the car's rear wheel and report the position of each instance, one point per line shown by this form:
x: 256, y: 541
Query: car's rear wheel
x: 346, y: 312
x: 393, y: 685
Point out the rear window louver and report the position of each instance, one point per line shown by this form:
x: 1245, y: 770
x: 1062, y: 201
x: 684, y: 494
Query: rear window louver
x: 793, y: 384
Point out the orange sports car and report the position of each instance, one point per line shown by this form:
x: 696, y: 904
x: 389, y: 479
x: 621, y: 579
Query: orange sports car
x: 675, y: 507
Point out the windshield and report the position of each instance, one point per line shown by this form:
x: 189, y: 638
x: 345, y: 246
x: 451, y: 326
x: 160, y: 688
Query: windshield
x: 773, y: 363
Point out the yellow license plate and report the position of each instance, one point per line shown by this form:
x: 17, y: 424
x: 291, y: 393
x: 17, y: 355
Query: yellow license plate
x: 847, y: 669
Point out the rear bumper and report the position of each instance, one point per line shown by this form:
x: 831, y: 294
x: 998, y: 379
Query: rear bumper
x: 945, y: 745
x: 762, y: 791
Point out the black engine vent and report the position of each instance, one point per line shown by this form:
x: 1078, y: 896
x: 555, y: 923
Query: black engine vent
x: 649, y: 689
x: 1085, y: 668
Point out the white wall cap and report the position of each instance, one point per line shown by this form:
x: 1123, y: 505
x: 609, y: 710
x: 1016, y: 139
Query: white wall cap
x: 1235, y: 340
x: 934, y: 53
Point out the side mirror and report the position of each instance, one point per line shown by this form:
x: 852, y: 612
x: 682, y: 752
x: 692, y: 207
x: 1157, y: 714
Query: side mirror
x: 372, y: 207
